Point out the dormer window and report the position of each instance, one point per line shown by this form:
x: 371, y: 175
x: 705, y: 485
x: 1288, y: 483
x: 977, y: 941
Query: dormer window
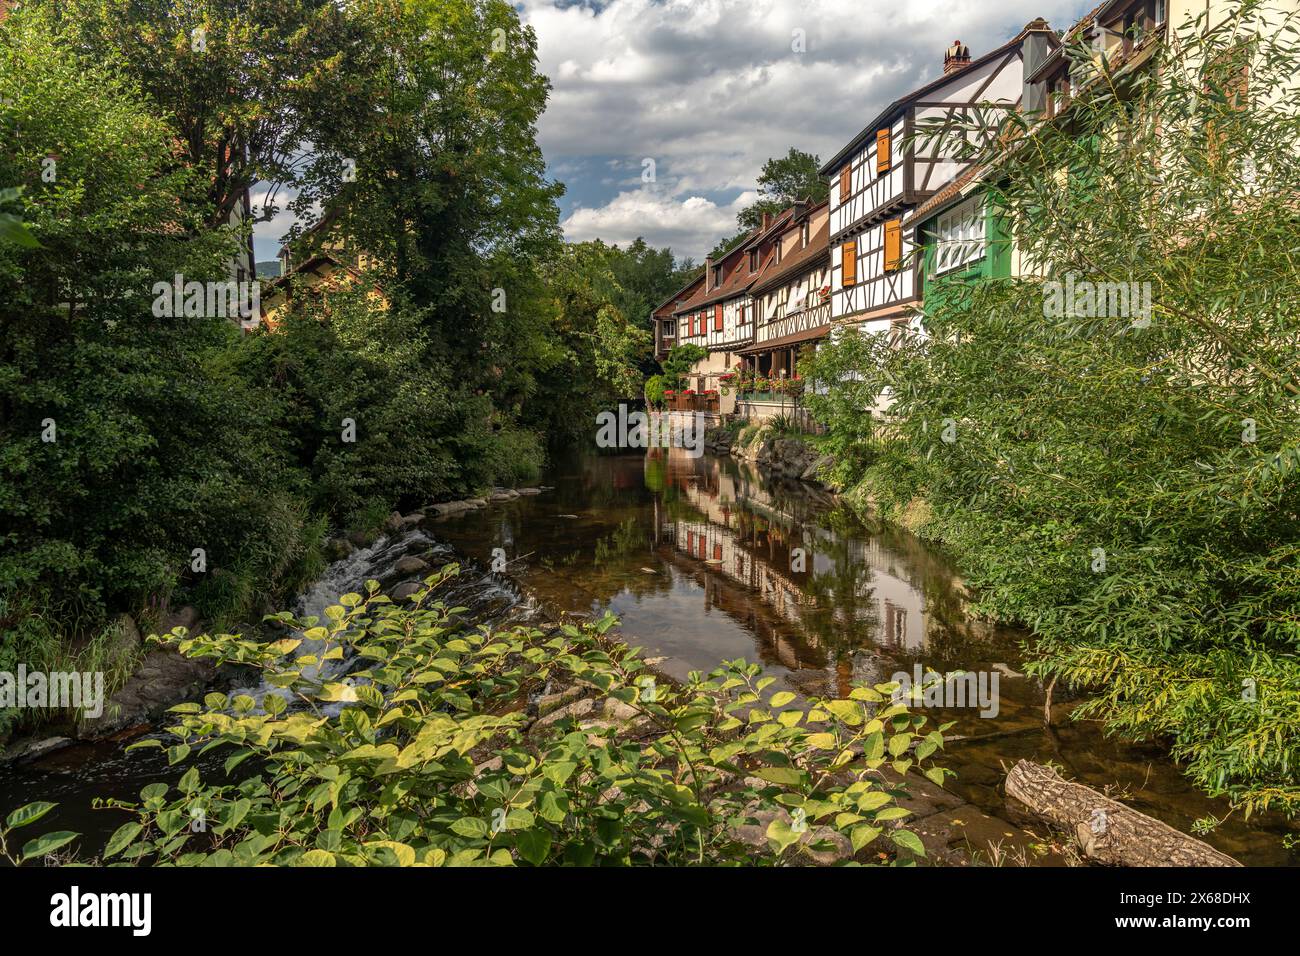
x: 803, y: 236
x: 717, y: 276
x: 753, y: 260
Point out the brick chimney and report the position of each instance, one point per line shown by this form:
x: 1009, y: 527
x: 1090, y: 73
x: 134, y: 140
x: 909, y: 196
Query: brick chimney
x: 708, y: 273
x: 767, y: 221
x: 957, y: 57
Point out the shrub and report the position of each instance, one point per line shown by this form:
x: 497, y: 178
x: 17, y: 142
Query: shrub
x: 421, y: 755
x: 655, y: 386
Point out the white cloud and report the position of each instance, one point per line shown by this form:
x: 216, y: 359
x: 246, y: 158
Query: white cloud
x: 712, y: 88
x: 689, y: 224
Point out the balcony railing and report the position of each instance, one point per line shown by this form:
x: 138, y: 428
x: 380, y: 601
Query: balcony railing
x: 681, y: 402
x: 784, y: 324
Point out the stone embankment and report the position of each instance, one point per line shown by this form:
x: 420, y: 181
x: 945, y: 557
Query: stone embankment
x: 783, y: 456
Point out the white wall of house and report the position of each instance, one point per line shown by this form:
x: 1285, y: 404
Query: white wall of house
x: 868, y: 189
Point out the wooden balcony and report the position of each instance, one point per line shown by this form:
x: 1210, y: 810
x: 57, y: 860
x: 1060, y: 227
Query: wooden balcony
x: 780, y: 326
x: 681, y: 402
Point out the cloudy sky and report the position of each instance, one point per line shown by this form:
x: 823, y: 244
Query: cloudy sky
x: 710, y: 89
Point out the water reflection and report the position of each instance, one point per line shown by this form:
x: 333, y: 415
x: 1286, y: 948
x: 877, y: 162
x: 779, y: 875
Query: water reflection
x: 705, y: 559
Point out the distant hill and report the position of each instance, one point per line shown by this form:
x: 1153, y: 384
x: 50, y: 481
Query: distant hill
x: 268, y: 270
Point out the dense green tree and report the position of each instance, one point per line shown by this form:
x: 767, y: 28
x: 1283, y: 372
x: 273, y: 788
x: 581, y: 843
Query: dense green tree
x: 122, y: 450
x: 238, y: 83
x: 782, y: 181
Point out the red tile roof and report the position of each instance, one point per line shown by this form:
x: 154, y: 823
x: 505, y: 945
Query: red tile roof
x: 948, y: 194
x: 736, y: 275
x: 799, y: 261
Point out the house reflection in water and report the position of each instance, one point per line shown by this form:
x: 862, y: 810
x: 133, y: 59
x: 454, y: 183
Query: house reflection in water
x: 826, y: 592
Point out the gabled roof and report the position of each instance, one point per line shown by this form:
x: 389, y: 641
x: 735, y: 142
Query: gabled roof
x: 950, y: 194
x: 1039, y: 25
x: 680, y: 293
x: 737, y: 283
x: 799, y: 261
x: 740, y: 279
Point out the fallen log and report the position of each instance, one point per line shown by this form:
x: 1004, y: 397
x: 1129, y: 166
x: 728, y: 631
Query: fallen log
x: 1107, y: 831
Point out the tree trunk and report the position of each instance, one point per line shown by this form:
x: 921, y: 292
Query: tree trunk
x: 1108, y: 832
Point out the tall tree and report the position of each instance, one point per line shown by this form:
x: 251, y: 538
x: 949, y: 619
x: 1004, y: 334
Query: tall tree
x: 782, y: 181
x: 236, y: 81
x: 1111, y: 442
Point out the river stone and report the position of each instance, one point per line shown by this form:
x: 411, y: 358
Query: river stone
x: 394, y: 522
x: 338, y: 548
x: 163, y: 678
x: 579, y: 708
x: 549, y: 702
x: 529, y: 491
x: 445, y: 508
x: 967, y: 829
x: 185, y: 617
x: 32, y: 749
x: 414, y: 519
x: 410, y: 565
x: 361, y: 539
x: 405, y: 590
x: 756, y: 836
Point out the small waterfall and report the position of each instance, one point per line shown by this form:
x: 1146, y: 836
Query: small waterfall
x: 490, y: 599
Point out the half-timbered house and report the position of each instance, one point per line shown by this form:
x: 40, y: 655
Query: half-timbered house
x: 791, y: 302
x: 888, y: 169
x: 719, y: 316
x: 664, y: 318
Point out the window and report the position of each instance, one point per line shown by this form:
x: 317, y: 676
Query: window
x: 753, y: 259
x: 849, y: 263
x: 803, y: 236
x: 882, y: 152
x: 846, y: 183
x: 717, y: 317
x: 959, y: 236
x: 797, y: 300
x: 893, y: 244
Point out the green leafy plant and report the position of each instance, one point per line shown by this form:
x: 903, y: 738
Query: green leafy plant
x: 425, y: 754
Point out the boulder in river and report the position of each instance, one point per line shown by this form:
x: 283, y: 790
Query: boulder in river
x: 410, y: 565
x: 406, y: 589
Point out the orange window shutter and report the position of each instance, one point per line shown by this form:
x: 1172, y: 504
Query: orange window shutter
x: 846, y: 182
x: 893, y: 244
x: 717, y: 317
x: 883, y: 158
x: 849, y: 263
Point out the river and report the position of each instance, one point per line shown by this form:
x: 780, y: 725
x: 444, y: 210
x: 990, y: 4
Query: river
x: 705, y: 559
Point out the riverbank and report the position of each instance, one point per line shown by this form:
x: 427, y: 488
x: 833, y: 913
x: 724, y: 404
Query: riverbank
x: 158, y: 677
x: 699, y: 559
